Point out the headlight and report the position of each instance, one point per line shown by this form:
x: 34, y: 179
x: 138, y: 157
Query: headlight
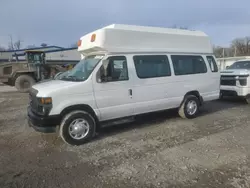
x: 44, y: 105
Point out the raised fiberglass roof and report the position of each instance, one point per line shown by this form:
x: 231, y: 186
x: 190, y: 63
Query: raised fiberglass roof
x: 119, y: 38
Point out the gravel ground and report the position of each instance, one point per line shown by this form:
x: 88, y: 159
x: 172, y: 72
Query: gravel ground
x: 159, y: 150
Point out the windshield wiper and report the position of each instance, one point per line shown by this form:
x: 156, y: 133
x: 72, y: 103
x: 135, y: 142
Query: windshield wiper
x: 73, y: 78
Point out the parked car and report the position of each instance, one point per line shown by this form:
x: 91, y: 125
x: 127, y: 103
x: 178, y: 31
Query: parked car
x: 235, y: 80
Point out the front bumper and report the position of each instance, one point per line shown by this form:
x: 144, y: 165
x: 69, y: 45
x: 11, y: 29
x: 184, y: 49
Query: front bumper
x: 234, y: 91
x: 44, y: 124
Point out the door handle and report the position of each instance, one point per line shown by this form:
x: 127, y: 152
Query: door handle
x: 130, y: 92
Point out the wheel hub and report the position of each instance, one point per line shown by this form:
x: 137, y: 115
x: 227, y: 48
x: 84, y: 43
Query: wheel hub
x: 79, y: 129
x: 191, y: 107
x: 26, y: 84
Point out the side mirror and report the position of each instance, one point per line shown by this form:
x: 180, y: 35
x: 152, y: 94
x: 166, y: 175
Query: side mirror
x: 227, y: 67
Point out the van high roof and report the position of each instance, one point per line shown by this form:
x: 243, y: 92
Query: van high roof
x: 118, y: 38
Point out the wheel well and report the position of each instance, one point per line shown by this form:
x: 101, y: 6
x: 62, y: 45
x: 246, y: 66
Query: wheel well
x: 83, y: 107
x: 247, y: 96
x: 195, y: 93
x: 24, y: 73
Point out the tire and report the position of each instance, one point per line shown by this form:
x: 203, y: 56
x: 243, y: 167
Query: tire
x: 247, y: 99
x: 221, y: 97
x: 183, y: 110
x: 24, y: 82
x: 67, y: 123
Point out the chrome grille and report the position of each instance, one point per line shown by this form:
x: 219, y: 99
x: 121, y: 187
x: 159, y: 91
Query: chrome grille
x: 232, y: 80
x: 228, y: 82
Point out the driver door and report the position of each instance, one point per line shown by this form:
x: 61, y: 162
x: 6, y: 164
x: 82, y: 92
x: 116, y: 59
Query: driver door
x: 114, y: 96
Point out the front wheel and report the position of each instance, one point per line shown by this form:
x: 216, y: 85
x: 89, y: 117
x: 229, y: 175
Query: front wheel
x: 77, y: 128
x: 190, y: 107
x: 221, y: 97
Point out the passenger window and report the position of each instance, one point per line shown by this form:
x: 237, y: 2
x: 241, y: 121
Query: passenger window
x: 151, y: 66
x: 212, y: 63
x: 184, y: 64
x: 117, y: 69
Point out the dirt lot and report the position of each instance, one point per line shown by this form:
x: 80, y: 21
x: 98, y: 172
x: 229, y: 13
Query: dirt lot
x: 160, y: 150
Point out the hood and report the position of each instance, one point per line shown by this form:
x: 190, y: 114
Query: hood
x: 229, y: 72
x: 45, y: 88
x: 45, y: 80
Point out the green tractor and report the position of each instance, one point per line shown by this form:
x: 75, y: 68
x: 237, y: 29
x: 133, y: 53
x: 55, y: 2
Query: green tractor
x: 23, y: 74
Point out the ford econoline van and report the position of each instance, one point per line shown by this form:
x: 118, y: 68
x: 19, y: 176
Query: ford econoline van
x: 126, y: 71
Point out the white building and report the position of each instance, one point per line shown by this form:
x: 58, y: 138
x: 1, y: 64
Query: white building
x: 5, y: 56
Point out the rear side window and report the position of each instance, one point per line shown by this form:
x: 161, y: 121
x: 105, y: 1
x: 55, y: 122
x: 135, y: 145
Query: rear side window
x: 212, y: 63
x: 152, y: 66
x: 184, y: 64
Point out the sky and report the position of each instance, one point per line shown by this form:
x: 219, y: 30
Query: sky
x: 63, y: 22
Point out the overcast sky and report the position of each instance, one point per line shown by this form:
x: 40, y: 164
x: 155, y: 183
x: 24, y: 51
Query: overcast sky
x: 63, y: 22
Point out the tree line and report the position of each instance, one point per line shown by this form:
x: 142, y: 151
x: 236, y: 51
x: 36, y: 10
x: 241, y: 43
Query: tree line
x: 238, y: 47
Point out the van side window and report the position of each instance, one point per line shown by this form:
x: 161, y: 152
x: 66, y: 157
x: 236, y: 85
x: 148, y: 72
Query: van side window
x: 151, y: 66
x: 212, y: 63
x: 188, y: 64
x: 117, y: 69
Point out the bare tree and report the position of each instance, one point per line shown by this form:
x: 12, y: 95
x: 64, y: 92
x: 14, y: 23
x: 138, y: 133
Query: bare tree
x: 241, y: 46
x: 17, y: 45
x: 218, y: 51
x: 14, y: 45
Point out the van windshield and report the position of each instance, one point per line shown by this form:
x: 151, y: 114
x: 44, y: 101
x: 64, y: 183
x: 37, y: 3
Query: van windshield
x: 240, y: 65
x: 82, y: 70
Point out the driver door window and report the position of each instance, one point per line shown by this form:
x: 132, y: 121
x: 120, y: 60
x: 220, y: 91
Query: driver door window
x: 117, y: 69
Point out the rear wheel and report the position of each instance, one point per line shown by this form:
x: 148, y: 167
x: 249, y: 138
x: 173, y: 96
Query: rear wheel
x: 190, y: 107
x: 77, y: 128
x: 24, y: 82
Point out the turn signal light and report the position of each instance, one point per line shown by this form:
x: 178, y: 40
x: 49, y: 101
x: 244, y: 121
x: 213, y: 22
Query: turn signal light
x: 79, y: 43
x: 46, y: 100
x: 93, y: 38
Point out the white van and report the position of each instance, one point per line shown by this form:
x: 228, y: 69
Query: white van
x: 126, y: 71
x: 235, y: 80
